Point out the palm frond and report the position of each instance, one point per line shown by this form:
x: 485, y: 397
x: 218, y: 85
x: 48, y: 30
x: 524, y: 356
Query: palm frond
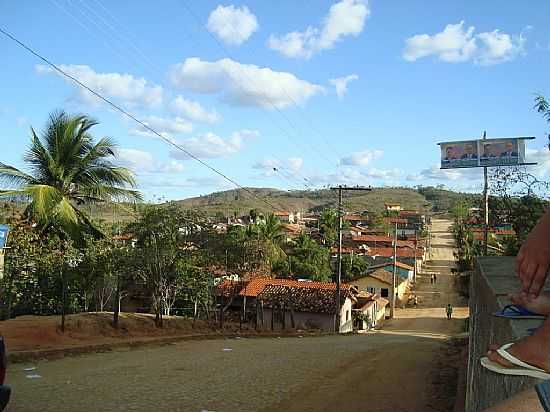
x: 45, y: 200
x: 13, y: 177
x: 102, y: 193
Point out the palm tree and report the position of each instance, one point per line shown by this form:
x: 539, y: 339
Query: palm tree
x: 67, y: 170
x: 273, y: 237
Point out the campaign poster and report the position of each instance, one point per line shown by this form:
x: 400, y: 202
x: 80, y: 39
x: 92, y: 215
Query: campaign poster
x: 500, y: 152
x: 459, y: 154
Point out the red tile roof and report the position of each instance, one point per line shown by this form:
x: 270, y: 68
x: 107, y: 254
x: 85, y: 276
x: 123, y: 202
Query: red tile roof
x: 382, y: 239
x: 281, y: 214
x: 292, y: 228
x: 355, y: 218
x: 395, y: 220
x: 304, y: 299
x: 256, y: 286
x: 388, y: 252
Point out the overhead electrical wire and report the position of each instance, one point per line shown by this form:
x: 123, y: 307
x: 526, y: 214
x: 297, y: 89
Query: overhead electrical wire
x: 148, y: 62
x: 281, y: 87
x: 266, y: 98
x: 132, y: 117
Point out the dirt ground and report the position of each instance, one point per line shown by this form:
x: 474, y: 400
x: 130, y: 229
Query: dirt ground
x: 411, y: 365
x: 27, y: 333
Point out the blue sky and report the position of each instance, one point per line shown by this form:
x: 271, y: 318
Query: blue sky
x: 350, y: 91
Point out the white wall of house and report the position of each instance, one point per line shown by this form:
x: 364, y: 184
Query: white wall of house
x: 373, y: 285
x: 346, y: 321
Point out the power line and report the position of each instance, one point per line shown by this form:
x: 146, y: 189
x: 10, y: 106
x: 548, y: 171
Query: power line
x: 119, y: 37
x: 131, y: 116
x: 269, y: 101
x: 288, y: 95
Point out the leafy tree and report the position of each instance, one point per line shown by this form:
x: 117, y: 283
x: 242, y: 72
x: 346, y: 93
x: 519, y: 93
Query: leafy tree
x: 67, y: 170
x: 328, y: 225
x: 157, y: 251
x: 307, y: 260
x: 353, y: 266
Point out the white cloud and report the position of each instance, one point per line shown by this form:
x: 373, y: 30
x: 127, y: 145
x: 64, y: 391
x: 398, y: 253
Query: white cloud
x: 166, y: 127
x: 193, y: 111
x: 290, y: 166
x: 128, y: 89
x: 361, y: 158
x: 190, y: 182
x: 209, y: 145
x: 341, y: 84
x: 143, y: 162
x: 436, y: 173
x: 542, y: 158
x: 345, y: 18
x: 456, y: 44
x: 233, y: 25
x: 243, y: 84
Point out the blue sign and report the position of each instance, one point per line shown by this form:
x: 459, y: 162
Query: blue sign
x: 4, y: 229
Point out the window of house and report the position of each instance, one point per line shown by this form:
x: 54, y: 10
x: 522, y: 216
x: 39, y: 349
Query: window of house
x: 347, y: 315
x: 384, y: 293
x: 371, y: 290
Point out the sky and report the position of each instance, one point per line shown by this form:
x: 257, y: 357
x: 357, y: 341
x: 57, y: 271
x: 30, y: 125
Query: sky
x: 289, y: 95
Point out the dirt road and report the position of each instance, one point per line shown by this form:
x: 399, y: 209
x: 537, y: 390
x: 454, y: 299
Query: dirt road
x: 408, y: 366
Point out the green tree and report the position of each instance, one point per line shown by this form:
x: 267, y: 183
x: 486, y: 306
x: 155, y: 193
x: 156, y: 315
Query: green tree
x: 353, y: 266
x: 67, y: 170
x: 328, y: 225
x: 307, y: 260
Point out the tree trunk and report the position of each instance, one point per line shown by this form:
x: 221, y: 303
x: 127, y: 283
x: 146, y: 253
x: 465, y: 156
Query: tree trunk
x: 63, y: 301
x: 116, y: 305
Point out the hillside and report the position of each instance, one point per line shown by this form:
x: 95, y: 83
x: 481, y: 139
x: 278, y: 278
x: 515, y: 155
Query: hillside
x: 239, y: 201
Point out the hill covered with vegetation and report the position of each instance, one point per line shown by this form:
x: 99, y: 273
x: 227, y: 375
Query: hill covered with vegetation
x: 240, y: 201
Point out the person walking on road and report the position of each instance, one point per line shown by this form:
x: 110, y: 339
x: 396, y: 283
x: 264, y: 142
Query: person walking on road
x: 449, y: 310
x: 432, y: 279
x: 415, y: 301
x: 435, y: 278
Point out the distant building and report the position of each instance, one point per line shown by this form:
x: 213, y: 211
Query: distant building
x: 369, y: 311
x: 392, y: 207
x: 278, y: 303
x: 288, y: 217
x: 379, y: 282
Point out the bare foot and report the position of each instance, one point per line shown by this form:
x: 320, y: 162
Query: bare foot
x: 540, y: 305
x: 533, y: 350
x: 533, y: 261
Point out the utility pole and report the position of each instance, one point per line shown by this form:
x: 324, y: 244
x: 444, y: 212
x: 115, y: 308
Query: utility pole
x: 415, y: 248
x: 340, y: 188
x: 486, y: 206
x: 392, y: 307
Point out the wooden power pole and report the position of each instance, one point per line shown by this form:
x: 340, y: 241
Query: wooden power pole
x: 486, y: 206
x: 340, y: 188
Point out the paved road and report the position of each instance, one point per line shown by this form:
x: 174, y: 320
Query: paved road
x: 402, y: 368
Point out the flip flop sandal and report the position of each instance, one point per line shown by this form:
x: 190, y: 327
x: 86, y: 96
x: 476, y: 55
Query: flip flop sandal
x: 518, y: 312
x: 520, y: 368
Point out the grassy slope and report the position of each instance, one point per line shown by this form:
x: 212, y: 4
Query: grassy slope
x: 239, y: 201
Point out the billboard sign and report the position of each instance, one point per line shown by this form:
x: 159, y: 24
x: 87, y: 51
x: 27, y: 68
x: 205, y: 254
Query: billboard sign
x: 4, y: 230
x: 483, y: 153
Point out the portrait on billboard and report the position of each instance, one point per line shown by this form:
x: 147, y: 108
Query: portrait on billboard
x: 459, y: 154
x: 483, y: 153
x: 500, y: 152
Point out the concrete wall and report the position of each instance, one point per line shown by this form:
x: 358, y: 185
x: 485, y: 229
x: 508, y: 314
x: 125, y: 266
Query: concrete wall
x: 492, y: 281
